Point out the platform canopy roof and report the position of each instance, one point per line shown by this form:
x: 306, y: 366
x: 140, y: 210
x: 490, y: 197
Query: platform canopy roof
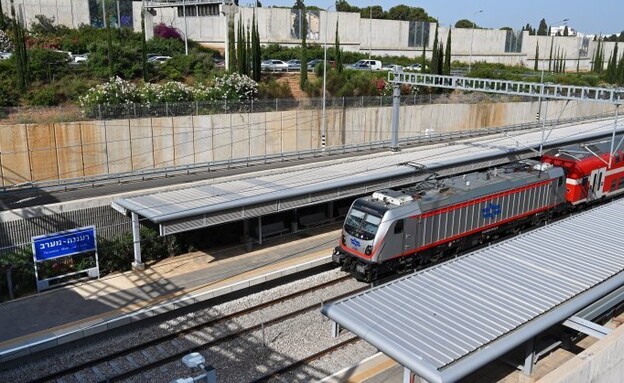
x: 251, y: 195
x: 446, y: 321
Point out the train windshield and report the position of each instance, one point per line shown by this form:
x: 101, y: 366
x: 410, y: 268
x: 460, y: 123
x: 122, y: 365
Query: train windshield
x: 362, y: 225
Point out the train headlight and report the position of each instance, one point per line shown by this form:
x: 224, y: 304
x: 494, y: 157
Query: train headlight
x: 369, y: 250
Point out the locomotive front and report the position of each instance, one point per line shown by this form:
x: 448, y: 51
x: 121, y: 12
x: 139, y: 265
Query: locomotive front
x: 362, y: 242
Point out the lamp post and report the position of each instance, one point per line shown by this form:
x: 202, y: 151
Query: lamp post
x: 185, y: 28
x: 323, y: 122
x: 370, y: 30
x: 472, y: 38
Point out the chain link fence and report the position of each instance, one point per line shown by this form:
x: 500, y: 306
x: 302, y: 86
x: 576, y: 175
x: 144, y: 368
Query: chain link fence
x: 24, y: 115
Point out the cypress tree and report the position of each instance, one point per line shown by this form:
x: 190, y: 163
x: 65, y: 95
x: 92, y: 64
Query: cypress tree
x: 338, y: 53
x: 2, y: 19
x: 256, y: 54
x: 21, y: 57
x: 231, y: 42
x: 550, y: 56
x: 447, y: 55
x: 240, y: 46
x: 303, y: 80
x: 620, y: 70
x: 143, y: 44
x: 440, y: 65
x: 535, y: 66
x: 248, y: 51
x: 434, y: 53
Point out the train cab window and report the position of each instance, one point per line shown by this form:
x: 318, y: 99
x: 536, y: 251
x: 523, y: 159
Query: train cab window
x: 398, y: 227
x: 613, y: 185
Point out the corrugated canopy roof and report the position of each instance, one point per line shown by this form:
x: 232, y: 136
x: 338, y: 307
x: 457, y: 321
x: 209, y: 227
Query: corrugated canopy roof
x: 446, y: 321
x: 314, y: 178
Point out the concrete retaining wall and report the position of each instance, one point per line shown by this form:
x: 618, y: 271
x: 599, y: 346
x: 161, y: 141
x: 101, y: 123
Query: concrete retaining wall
x: 602, y: 362
x: 46, y: 152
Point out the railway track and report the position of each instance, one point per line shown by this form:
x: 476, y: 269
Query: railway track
x: 140, y: 358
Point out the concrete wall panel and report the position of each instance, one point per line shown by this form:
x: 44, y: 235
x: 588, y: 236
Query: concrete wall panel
x: 257, y: 134
x: 141, y: 143
x: 309, y: 125
x: 292, y: 121
x: 274, y: 132
x: 94, y: 147
x: 69, y: 150
x: 118, y: 146
x: 222, y: 137
x: 203, y: 144
x: 162, y: 140
x: 240, y: 135
x: 15, y: 160
x: 183, y: 131
x: 43, y: 160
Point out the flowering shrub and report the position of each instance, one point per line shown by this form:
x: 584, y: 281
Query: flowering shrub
x: 5, y: 42
x: 117, y: 92
x: 114, y: 92
x: 235, y: 87
x: 165, y: 31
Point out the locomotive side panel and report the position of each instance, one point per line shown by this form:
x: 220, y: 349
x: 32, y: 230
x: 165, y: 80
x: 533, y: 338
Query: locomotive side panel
x: 485, y: 213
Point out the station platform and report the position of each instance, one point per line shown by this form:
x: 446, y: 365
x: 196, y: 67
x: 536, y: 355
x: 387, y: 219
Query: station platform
x: 71, y: 312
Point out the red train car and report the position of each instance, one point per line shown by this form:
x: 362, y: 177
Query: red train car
x: 590, y: 172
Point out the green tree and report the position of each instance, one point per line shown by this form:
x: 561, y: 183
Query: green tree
x: 256, y: 54
x: 231, y: 43
x: 303, y: 72
x: 338, y: 51
x: 536, y: 64
x: 423, y: 60
x: 612, y: 66
x: 241, y: 48
x: 434, y: 53
x: 465, y: 23
x: 143, y: 45
x: 374, y: 12
x: 3, y: 24
x: 550, y: 55
x: 542, y: 30
x: 406, y: 13
x: 21, y: 56
x: 447, y: 55
x: 343, y: 6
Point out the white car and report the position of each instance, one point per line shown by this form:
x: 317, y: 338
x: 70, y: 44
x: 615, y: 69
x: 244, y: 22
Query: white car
x: 414, y: 67
x: 393, y: 68
x: 158, y: 59
x: 274, y: 65
x: 81, y: 58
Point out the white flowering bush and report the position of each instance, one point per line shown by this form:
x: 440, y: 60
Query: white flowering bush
x: 5, y: 42
x: 114, y: 92
x: 173, y: 91
x: 233, y: 87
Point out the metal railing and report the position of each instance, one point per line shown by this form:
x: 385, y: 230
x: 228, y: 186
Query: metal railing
x: 23, y: 115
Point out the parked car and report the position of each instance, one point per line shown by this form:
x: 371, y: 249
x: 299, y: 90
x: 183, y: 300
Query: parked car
x: 367, y: 65
x: 313, y: 63
x: 158, y: 59
x: 218, y: 62
x: 294, y: 64
x: 414, y: 67
x: 273, y: 65
x: 5, y: 55
x: 393, y: 68
x: 80, y: 58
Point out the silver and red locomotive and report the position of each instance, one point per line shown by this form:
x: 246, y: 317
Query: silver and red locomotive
x: 393, y: 231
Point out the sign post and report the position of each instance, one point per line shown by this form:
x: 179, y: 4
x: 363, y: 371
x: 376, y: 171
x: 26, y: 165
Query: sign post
x: 64, y: 244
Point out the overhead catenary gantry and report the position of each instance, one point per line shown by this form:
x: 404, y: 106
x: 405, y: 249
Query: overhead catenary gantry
x: 546, y: 91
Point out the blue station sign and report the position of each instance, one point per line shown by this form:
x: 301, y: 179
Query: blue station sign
x: 64, y: 243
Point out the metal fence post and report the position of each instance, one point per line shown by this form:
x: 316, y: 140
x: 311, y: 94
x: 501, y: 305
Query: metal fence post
x: 276, y: 109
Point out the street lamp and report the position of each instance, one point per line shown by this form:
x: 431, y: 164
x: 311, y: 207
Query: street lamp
x: 472, y: 38
x: 323, y: 122
x: 185, y: 28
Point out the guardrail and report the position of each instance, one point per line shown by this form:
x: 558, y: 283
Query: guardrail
x: 167, y: 172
